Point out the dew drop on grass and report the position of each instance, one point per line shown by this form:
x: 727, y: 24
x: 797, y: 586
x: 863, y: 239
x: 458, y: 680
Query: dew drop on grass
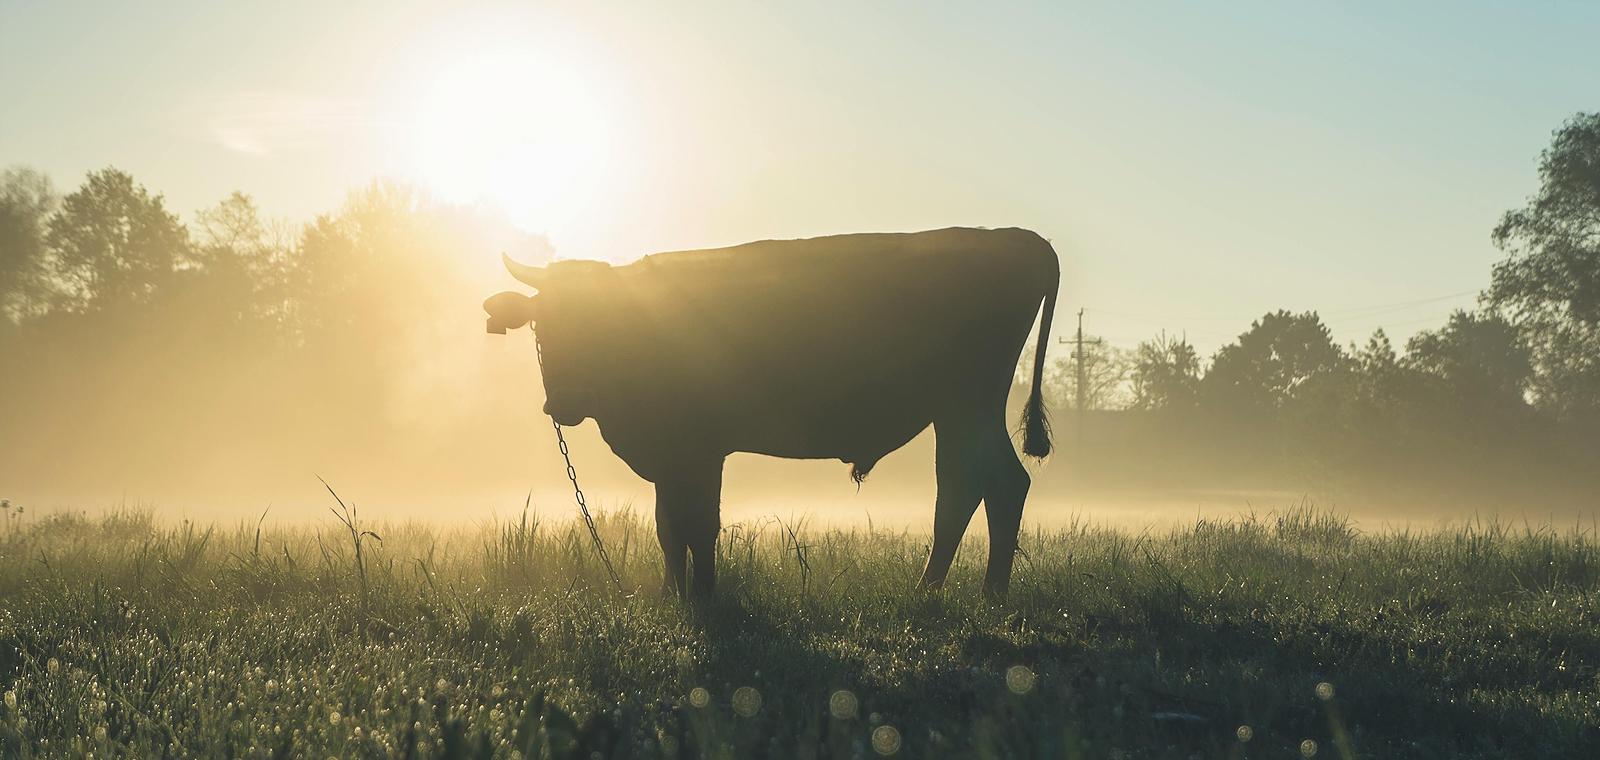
x: 746, y: 701
x: 1308, y: 748
x: 1019, y: 679
x: 886, y: 740
x: 1245, y: 733
x: 843, y: 705
x: 1324, y: 691
x: 699, y: 697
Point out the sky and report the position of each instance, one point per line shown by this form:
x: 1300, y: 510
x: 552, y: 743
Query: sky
x: 1195, y: 164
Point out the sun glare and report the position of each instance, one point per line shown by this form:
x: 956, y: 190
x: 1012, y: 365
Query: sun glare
x: 506, y: 127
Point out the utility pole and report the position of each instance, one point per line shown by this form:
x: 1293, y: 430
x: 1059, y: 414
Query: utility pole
x: 1078, y: 356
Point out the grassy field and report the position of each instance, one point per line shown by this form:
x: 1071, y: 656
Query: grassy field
x: 1280, y: 636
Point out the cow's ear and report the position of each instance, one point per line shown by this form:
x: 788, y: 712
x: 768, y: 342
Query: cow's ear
x: 535, y: 276
x: 509, y: 311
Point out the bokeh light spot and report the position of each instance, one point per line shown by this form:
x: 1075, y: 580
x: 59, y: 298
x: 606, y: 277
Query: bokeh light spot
x: 843, y: 705
x: 886, y: 740
x: 746, y: 701
x: 1019, y: 679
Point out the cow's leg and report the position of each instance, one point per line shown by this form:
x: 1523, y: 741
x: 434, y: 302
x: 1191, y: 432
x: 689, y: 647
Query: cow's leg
x: 1004, y: 492
x: 703, y: 540
x: 958, y: 468
x: 688, y: 518
x: 674, y: 549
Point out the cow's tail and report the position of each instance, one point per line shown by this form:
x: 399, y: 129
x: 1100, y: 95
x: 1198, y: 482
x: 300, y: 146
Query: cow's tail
x: 1035, y: 422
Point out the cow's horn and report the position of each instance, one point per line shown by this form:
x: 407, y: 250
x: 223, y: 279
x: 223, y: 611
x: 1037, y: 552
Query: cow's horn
x: 534, y: 276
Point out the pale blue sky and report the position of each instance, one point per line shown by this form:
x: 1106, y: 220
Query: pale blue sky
x: 1195, y: 163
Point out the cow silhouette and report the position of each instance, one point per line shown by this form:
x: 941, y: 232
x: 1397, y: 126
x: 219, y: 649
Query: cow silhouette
x: 842, y: 347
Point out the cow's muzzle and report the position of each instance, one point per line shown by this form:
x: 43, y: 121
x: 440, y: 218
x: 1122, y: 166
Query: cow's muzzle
x: 509, y: 310
x: 563, y: 417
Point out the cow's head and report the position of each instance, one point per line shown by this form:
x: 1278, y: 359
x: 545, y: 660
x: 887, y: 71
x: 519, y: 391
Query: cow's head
x: 573, y: 321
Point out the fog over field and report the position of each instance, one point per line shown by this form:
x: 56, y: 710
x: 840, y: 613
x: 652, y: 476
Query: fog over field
x: 351, y: 348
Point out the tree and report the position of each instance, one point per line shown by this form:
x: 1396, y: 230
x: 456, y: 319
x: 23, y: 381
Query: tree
x: 1376, y: 417
x: 26, y: 201
x: 1480, y: 357
x: 1377, y: 359
x: 1382, y: 394
x: 1550, y: 279
x: 1165, y: 373
x: 1105, y: 374
x: 115, y: 242
x: 246, y: 258
x: 1272, y: 363
x: 232, y: 228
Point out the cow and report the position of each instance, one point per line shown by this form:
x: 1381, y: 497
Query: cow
x: 839, y: 347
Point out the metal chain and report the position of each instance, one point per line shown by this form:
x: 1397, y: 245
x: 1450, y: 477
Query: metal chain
x: 577, y: 493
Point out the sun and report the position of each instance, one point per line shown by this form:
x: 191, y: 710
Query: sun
x: 514, y: 129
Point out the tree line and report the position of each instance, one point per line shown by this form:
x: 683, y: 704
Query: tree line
x: 1509, y: 389
x: 135, y: 342
x: 117, y: 313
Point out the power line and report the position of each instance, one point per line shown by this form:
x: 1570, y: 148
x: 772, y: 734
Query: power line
x: 1353, y: 311
x: 1158, y: 318
x: 1438, y: 318
x: 1399, y: 306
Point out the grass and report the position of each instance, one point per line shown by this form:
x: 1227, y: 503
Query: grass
x: 124, y: 637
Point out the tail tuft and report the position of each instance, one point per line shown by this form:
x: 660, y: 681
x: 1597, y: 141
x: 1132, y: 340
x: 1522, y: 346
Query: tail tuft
x: 1035, y: 426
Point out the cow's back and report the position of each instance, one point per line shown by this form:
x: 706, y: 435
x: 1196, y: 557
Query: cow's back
x: 800, y: 347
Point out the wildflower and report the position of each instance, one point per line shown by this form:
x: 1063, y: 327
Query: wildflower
x: 11, y: 699
x: 53, y: 665
x: 334, y: 717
